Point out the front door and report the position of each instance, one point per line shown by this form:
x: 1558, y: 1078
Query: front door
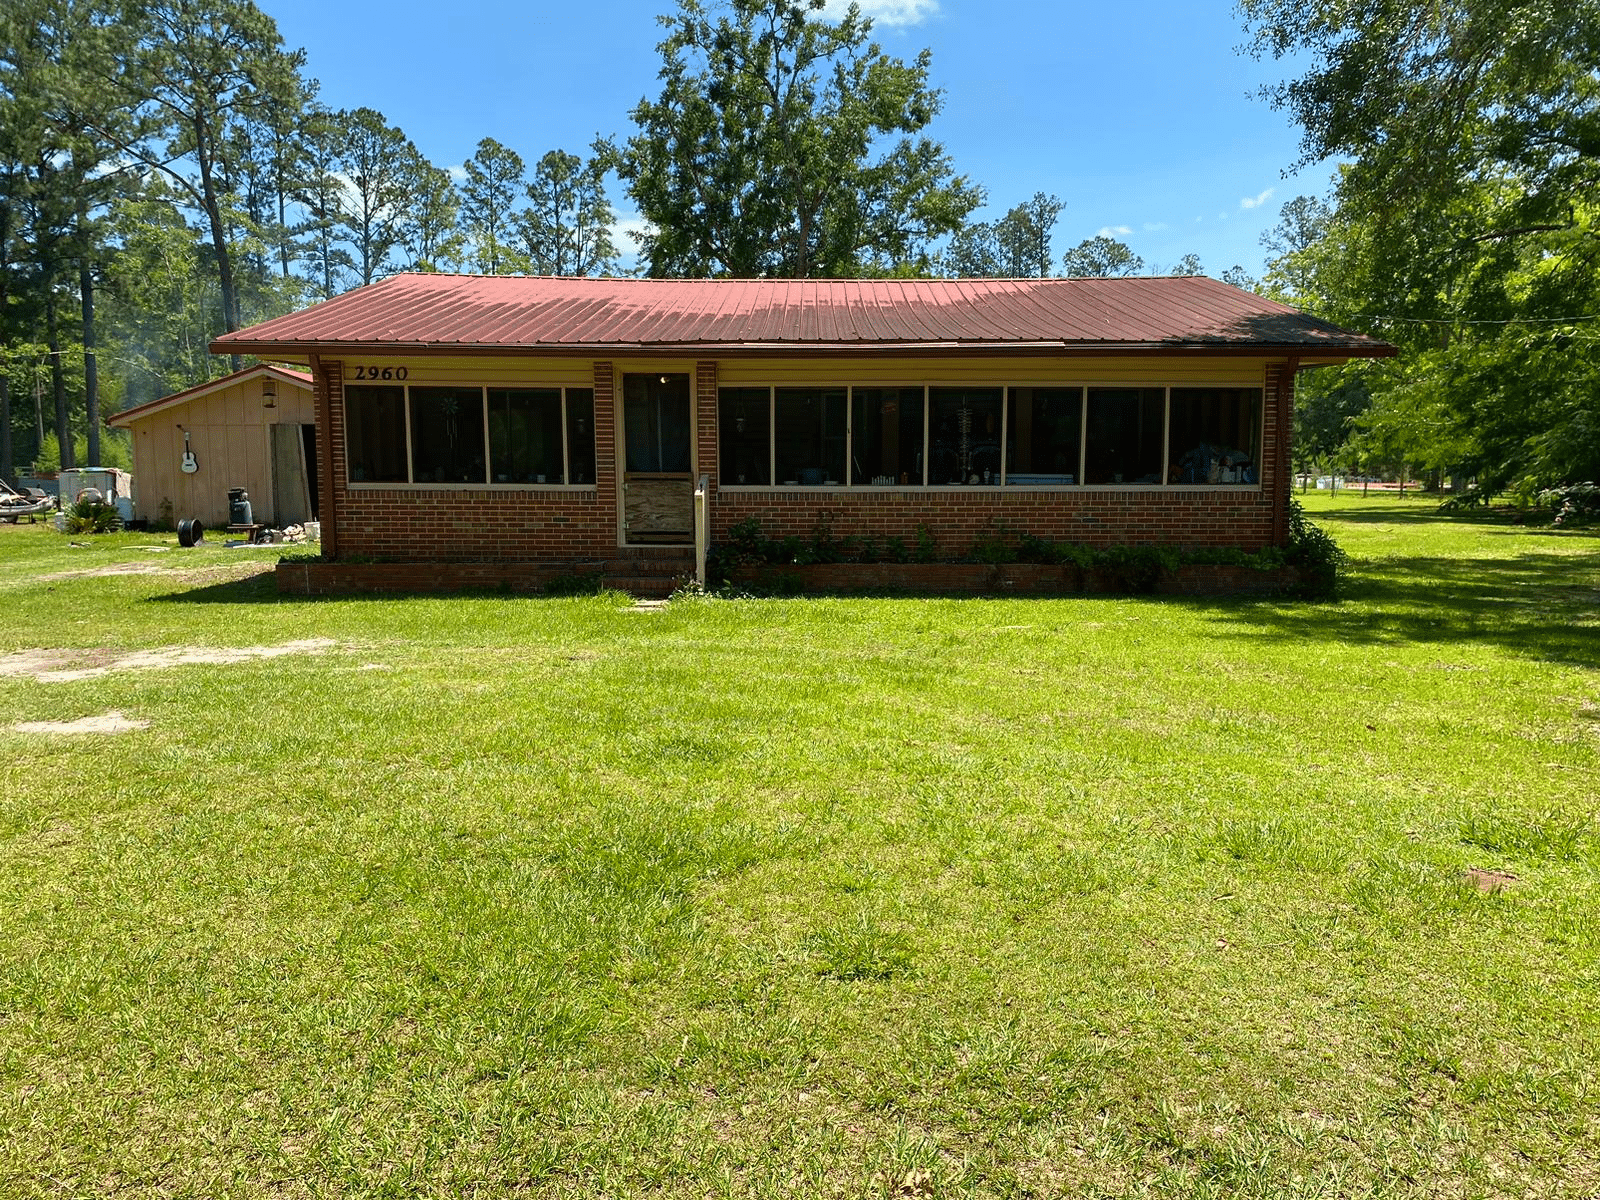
x: 658, y: 480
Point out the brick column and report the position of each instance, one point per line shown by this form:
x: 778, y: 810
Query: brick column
x: 1278, y: 420
x: 328, y: 380
x: 705, y: 420
x: 607, y: 478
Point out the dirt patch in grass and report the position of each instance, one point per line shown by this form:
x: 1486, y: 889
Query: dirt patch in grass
x: 1490, y: 882
x: 69, y: 666
x: 210, y: 573
x: 111, y: 722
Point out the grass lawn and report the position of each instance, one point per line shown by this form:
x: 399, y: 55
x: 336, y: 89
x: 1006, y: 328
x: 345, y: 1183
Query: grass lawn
x: 1087, y: 897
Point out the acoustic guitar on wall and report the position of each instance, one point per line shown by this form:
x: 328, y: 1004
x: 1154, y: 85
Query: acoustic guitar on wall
x: 190, y: 463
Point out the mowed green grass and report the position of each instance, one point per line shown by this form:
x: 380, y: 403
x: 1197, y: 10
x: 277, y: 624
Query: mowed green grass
x: 1083, y: 897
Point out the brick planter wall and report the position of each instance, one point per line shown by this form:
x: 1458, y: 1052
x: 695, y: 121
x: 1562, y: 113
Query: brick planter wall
x: 1023, y: 579
x: 344, y: 578
x: 1214, y: 517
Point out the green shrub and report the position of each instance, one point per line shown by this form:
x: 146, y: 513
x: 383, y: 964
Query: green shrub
x: 1322, y: 564
x: 93, y: 516
x: 1574, y: 504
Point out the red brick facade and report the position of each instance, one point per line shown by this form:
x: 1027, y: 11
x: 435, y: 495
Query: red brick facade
x: 569, y: 524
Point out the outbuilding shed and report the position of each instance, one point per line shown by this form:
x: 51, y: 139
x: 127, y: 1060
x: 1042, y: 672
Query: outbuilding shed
x: 490, y: 425
x: 254, y: 429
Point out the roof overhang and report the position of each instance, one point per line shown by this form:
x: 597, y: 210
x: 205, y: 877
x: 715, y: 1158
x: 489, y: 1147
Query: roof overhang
x: 304, y: 352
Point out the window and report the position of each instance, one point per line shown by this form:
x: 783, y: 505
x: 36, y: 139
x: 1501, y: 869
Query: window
x: 1125, y: 435
x: 964, y: 435
x: 469, y: 435
x: 375, y: 434
x: 745, y: 419
x: 886, y: 426
x: 1023, y: 436
x: 580, y: 435
x: 1214, y: 435
x: 525, y: 444
x: 809, y: 428
x: 447, y: 435
x: 1044, y: 436
x: 656, y: 418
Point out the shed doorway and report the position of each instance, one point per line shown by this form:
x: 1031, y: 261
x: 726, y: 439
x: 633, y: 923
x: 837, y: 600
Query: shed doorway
x: 658, y: 474
x: 294, y: 474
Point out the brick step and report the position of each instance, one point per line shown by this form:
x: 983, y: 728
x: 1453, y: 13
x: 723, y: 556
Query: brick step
x: 645, y: 587
x: 652, y: 566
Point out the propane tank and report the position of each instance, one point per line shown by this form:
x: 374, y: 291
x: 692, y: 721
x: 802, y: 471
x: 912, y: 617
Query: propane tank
x: 239, y: 507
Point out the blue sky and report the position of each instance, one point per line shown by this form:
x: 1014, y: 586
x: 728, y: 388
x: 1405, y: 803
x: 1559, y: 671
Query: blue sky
x: 1142, y: 117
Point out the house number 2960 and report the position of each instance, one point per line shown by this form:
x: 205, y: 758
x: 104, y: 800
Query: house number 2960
x: 382, y: 372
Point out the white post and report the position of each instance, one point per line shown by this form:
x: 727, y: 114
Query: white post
x: 702, y: 528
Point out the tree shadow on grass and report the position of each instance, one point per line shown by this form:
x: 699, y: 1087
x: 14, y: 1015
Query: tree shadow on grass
x: 1537, y: 605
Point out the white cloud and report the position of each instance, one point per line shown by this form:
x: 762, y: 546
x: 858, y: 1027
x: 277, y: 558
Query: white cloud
x: 1154, y: 226
x: 458, y: 174
x: 629, y: 226
x: 1257, y: 201
x: 1114, y: 231
x: 887, y: 12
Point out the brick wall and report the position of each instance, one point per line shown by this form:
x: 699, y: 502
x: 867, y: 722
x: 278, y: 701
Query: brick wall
x: 1197, y: 517
x: 468, y: 525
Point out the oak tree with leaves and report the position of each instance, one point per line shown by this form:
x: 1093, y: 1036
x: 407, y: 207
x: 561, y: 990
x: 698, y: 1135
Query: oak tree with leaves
x: 786, y: 143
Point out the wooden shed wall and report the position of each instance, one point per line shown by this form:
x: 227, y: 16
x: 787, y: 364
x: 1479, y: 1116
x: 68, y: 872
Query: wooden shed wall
x: 229, y: 432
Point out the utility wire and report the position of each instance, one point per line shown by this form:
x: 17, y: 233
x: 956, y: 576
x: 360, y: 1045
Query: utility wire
x: 1465, y: 321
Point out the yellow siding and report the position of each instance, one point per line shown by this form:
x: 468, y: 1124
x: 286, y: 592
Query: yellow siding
x: 228, y: 431
x: 1214, y: 372
x: 492, y: 372
x: 577, y: 372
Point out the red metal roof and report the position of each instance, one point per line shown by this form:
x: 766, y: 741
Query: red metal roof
x: 441, y: 313
x: 124, y: 418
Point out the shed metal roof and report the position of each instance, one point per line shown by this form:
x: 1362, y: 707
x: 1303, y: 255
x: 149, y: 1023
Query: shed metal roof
x: 526, y: 314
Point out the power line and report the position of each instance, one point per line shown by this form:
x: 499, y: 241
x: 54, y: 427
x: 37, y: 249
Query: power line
x: 1465, y: 321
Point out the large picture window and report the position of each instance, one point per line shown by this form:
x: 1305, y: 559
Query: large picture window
x: 375, y: 434
x: 886, y: 427
x: 745, y: 419
x: 580, y: 435
x: 1023, y: 436
x: 809, y: 430
x: 525, y: 443
x: 447, y: 435
x: 1214, y: 435
x: 1044, y: 436
x: 469, y: 435
x: 964, y: 435
x: 1125, y: 427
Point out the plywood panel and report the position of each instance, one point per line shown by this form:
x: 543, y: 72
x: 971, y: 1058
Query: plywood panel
x: 658, y: 508
x: 291, y: 499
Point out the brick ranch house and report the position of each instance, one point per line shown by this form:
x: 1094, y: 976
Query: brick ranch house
x: 496, y: 431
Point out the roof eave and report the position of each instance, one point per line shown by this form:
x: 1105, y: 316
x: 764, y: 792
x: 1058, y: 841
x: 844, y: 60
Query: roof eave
x: 306, y: 350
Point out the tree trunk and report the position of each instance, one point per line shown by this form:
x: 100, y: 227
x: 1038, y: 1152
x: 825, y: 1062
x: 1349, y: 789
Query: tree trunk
x: 8, y: 468
x: 91, y: 377
x: 58, y: 384
x: 219, y: 237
